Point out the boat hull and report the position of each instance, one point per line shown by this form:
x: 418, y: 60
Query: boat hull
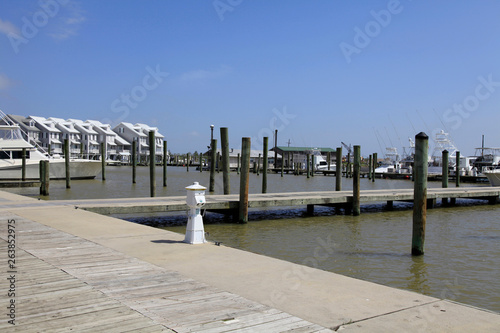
x: 493, y: 176
x: 79, y: 169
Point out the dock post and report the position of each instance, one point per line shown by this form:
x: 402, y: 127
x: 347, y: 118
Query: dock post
x: 103, y: 161
x: 308, y: 165
x: 283, y: 164
x: 312, y: 165
x: 348, y: 169
x: 152, y: 164
x: 444, y: 173
x: 201, y: 162
x: 134, y: 161
x: 265, y: 163
x: 244, y: 178
x: 66, y: 163
x: 165, y: 162
x: 49, y: 149
x: 218, y: 161
x: 238, y: 165
x: 370, y: 167
x: 213, y: 156
x: 23, y: 168
x: 355, y: 182
x: 338, y: 170
x: 310, y: 209
x: 258, y: 164
x: 188, y: 158
x: 457, y: 173
x: 328, y: 158
x: 420, y: 194
x: 374, y: 162
x: 224, y: 143
x: 44, y: 177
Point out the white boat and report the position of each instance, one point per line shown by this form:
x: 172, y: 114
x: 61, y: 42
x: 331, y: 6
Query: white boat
x: 321, y: 164
x: 12, y: 144
x: 493, y: 176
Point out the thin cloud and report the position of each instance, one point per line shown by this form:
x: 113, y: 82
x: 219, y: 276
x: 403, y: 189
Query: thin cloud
x: 8, y: 28
x: 203, y: 75
x: 69, y: 21
x: 5, y: 82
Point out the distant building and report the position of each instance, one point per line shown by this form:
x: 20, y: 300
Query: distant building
x: 158, y: 140
x: 70, y: 133
x: 50, y: 135
x: 299, y: 154
x: 89, y: 137
x: 30, y: 132
x: 133, y: 133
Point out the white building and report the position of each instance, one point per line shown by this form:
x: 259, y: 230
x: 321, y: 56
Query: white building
x: 50, y: 135
x: 91, y: 148
x: 69, y: 132
x: 159, y: 138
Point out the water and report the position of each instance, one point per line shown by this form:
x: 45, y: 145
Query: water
x: 462, y: 246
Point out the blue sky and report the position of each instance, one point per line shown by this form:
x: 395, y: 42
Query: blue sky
x: 372, y: 73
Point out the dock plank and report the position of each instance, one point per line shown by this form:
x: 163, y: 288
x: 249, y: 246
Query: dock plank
x: 65, y: 286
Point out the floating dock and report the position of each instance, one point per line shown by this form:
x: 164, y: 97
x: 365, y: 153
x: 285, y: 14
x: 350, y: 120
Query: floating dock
x: 80, y: 271
x: 230, y: 203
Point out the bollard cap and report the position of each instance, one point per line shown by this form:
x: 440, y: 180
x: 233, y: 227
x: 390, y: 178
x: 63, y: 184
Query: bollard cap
x: 196, y: 187
x: 421, y: 135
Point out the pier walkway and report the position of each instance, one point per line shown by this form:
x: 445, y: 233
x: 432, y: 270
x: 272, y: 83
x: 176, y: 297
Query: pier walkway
x: 80, y: 271
x: 230, y: 202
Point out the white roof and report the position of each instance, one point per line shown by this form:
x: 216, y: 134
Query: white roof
x: 48, y: 125
x: 106, y: 128
x: 135, y: 129
x: 121, y: 141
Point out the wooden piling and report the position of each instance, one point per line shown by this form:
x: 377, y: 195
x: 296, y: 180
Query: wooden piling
x: 103, y: 161
x: 370, y: 167
x: 44, y: 177
x: 188, y: 158
x: 283, y: 164
x: 308, y: 161
x: 258, y: 164
x: 165, y: 162
x: 23, y: 166
x: 213, y: 156
x: 152, y: 164
x: 224, y: 143
x: 375, y: 163
x: 134, y: 161
x: 66, y: 163
x: 201, y: 162
x: 444, y: 173
x: 238, y: 164
x: 328, y: 158
x: 457, y: 173
x: 265, y: 164
x: 420, y: 194
x: 218, y: 162
x: 356, y: 182
x: 338, y: 170
x: 244, y: 179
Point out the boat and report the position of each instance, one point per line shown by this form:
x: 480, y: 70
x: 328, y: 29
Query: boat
x: 493, y: 175
x: 321, y: 164
x: 12, y: 144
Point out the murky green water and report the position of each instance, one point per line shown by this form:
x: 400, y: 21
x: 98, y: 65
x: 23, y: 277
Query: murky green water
x: 462, y: 247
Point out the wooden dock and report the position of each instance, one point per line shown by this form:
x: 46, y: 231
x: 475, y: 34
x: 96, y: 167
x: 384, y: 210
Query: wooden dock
x: 230, y: 203
x: 77, y: 271
x: 65, y: 283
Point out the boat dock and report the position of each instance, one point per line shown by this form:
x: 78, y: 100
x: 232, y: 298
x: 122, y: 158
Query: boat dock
x: 79, y: 271
x: 229, y: 203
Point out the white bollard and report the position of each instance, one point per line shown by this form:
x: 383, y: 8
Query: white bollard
x: 195, y: 233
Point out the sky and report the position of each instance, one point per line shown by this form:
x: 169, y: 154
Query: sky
x: 369, y: 73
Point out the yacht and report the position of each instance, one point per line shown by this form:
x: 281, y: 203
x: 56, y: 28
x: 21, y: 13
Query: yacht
x: 493, y: 175
x: 12, y: 144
